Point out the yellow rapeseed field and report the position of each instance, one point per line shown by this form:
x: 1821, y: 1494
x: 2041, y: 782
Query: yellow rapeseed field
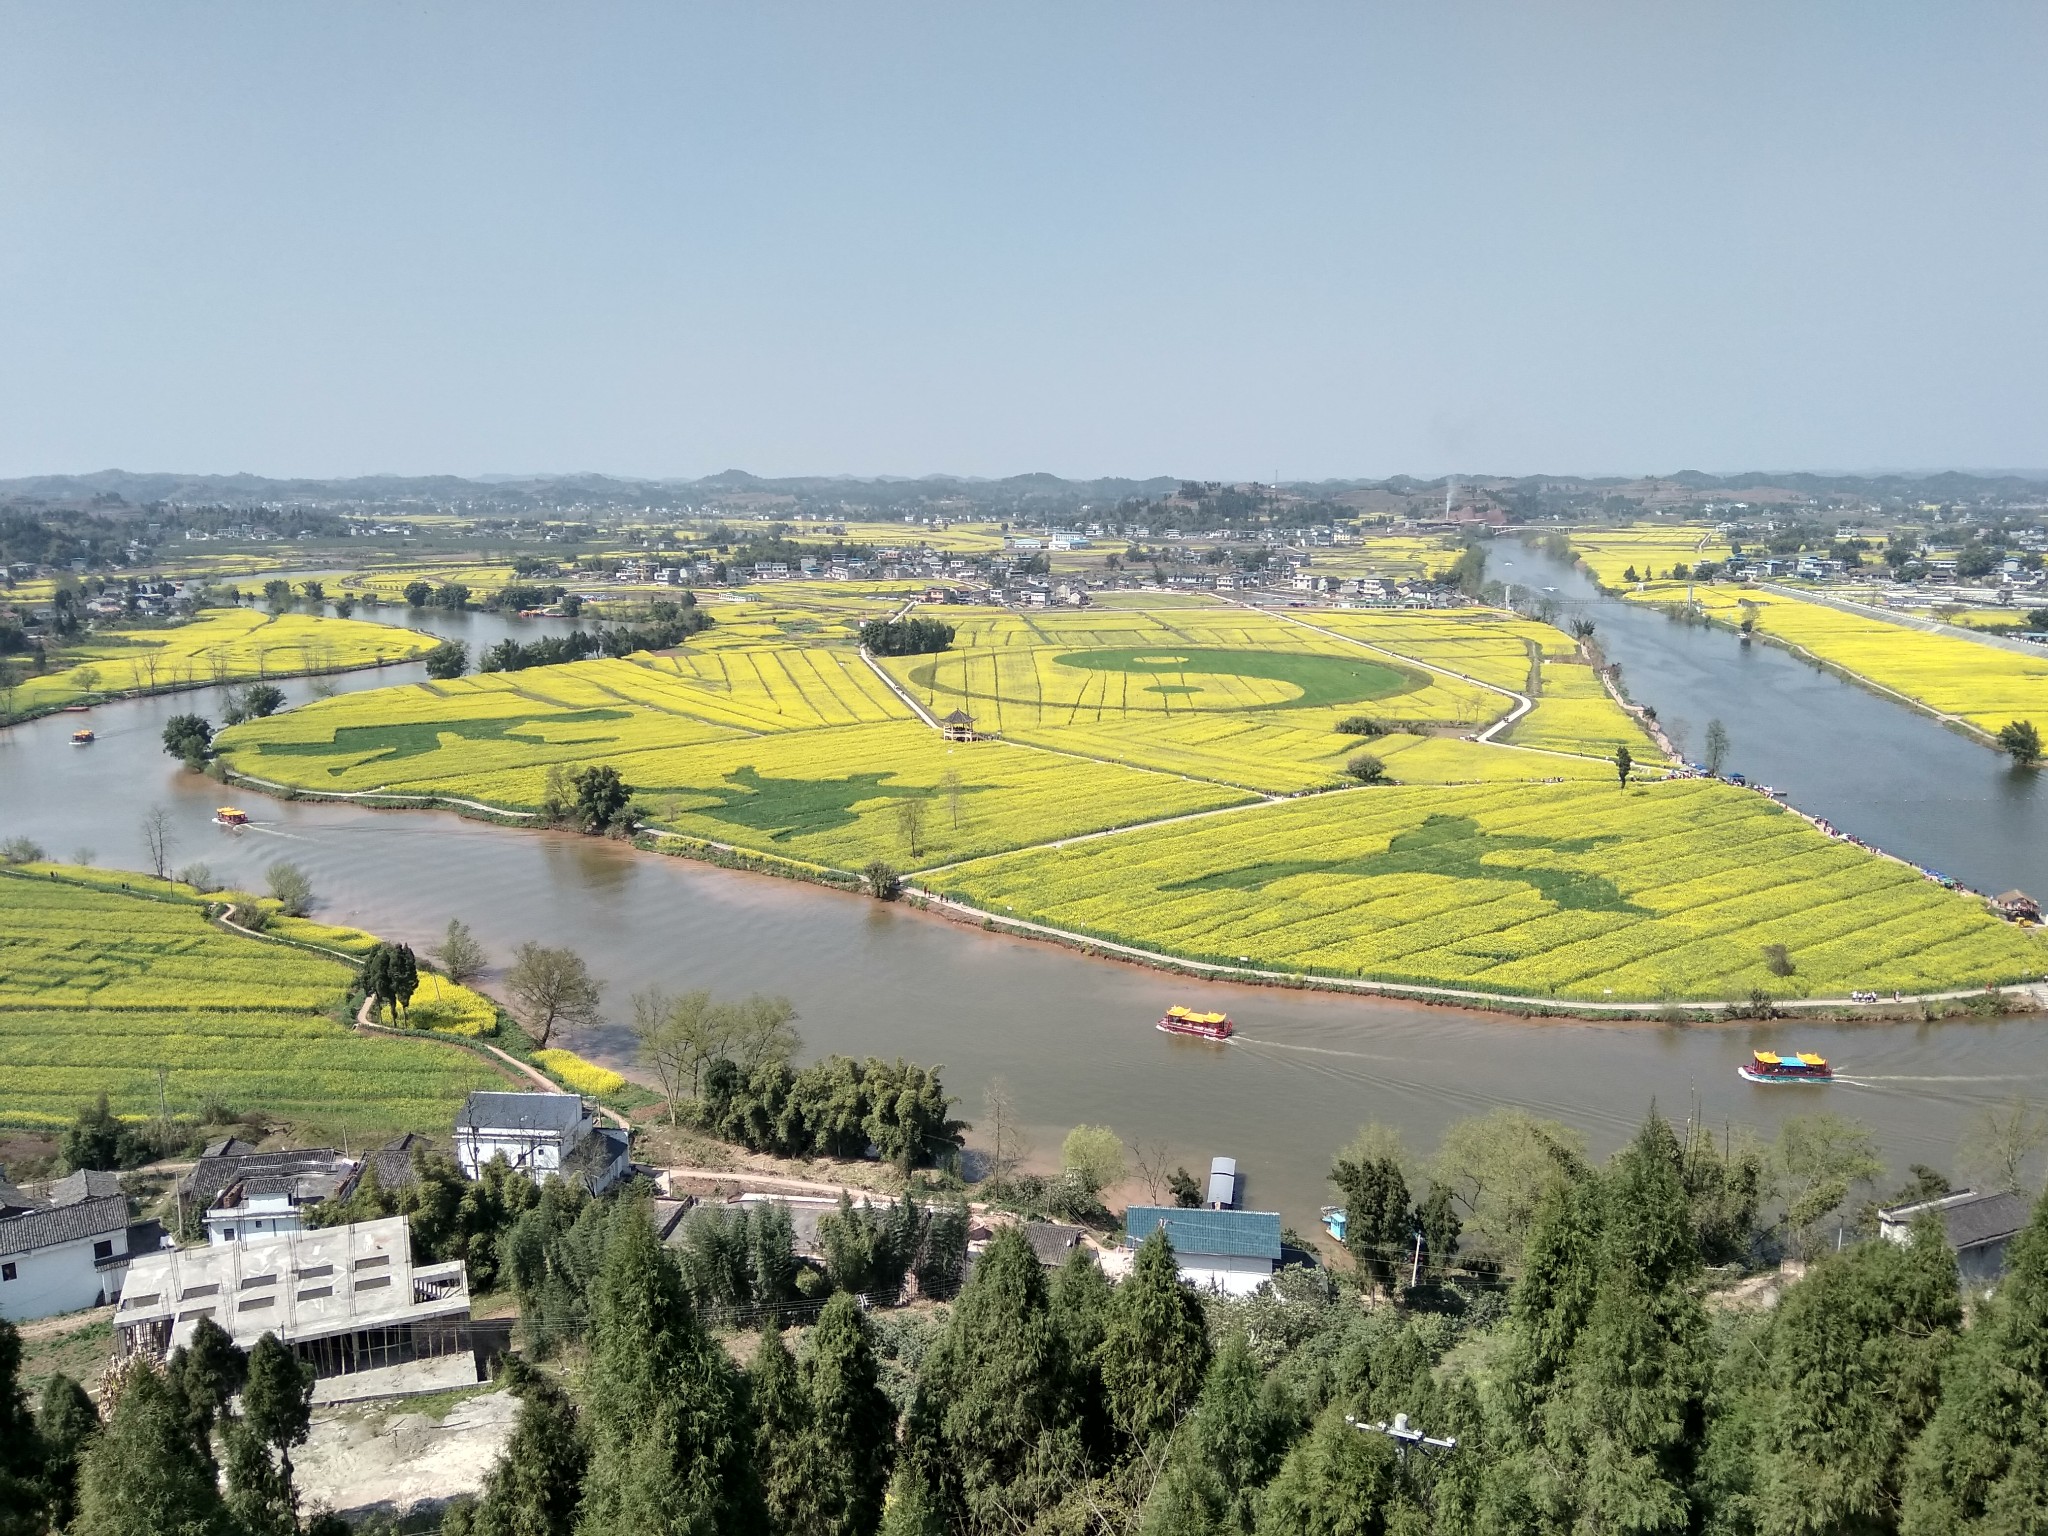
x: 1575, y: 713
x: 221, y: 645
x: 1668, y: 890
x: 1122, y: 793
x: 1652, y: 550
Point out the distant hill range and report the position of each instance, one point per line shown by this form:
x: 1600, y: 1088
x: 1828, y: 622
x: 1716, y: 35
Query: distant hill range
x: 739, y: 492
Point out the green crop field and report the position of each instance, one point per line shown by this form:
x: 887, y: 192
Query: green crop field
x: 1571, y: 891
x: 100, y: 988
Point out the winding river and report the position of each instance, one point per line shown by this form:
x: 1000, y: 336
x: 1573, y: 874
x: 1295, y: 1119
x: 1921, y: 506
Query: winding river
x: 1072, y: 1035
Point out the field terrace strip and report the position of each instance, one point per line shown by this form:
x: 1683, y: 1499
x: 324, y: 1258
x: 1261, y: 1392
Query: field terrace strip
x: 98, y: 989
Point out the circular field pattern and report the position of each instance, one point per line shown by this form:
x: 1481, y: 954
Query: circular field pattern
x: 1228, y: 679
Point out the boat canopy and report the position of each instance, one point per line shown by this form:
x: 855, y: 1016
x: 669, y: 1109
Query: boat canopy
x: 1189, y: 1016
x: 1779, y: 1059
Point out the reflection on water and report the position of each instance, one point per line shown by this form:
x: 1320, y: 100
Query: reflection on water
x: 1073, y: 1035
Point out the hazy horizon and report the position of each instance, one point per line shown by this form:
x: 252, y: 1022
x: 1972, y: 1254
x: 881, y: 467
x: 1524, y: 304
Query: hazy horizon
x: 1280, y: 244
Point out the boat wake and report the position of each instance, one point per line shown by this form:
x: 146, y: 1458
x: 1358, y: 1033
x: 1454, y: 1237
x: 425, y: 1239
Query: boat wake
x: 1867, y: 1080
x: 1320, y: 1050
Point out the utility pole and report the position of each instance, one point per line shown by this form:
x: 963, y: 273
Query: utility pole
x: 1404, y: 1435
x: 1415, y: 1267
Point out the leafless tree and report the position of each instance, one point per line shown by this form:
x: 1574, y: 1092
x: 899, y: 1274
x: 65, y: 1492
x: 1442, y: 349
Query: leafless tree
x: 2002, y: 1141
x: 910, y: 822
x: 949, y: 786
x: 1008, y: 1145
x: 157, y: 838
x: 1154, y: 1164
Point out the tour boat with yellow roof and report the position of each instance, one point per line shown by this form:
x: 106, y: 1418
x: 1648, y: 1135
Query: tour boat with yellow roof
x: 1201, y: 1026
x: 1777, y: 1067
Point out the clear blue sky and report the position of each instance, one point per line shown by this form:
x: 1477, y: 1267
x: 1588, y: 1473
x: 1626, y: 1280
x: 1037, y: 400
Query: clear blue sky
x: 1226, y: 241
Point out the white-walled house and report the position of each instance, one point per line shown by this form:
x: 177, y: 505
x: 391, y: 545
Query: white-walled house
x: 62, y: 1258
x: 542, y: 1135
x: 1234, y: 1252
x: 242, y: 1193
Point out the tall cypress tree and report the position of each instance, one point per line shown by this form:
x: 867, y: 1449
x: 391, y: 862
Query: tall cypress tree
x: 997, y: 1397
x: 1853, y: 1375
x: 1605, y: 1381
x: 1635, y: 1412
x: 853, y: 1421
x: 277, y: 1411
x: 782, y: 1435
x: 1337, y: 1482
x: 1081, y: 1299
x: 1156, y: 1349
x: 1226, y: 1451
x: 142, y: 1476
x: 670, y: 1446
x: 1981, y: 1468
x: 66, y: 1422
x: 21, y: 1494
x: 203, y: 1375
x: 911, y: 1509
x: 537, y: 1482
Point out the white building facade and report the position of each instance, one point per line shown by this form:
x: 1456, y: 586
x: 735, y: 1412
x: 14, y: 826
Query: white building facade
x: 63, y: 1259
x: 542, y: 1135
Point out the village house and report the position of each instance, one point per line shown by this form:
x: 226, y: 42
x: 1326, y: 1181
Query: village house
x: 1232, y: 1252
x: 69, y: 1249
x: 540, y: 1135
x: 1978, y: 1227
x: 242, y: 1193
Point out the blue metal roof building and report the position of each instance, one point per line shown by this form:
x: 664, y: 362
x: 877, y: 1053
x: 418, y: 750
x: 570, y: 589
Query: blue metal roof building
x: 1200, y: 1233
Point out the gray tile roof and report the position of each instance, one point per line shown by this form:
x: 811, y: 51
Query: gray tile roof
x: 1051, y: 1241
x: 1984, y: 1219
x: 1969, y: 1218
x: 211, y: 1175
x: 520, y: 1112
x: 1232, y: 1234
x: 85, y: 1184
x: 591, y: 1158
x: 393, y: 1162
x: 66, y: 1224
